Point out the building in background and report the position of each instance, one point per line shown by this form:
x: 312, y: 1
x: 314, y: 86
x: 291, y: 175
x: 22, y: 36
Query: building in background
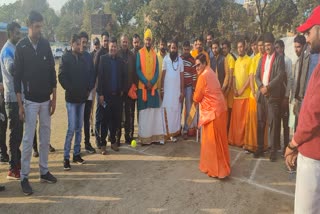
x: 250, y: 6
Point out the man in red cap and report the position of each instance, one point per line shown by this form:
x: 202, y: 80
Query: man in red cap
x: 305, y: 144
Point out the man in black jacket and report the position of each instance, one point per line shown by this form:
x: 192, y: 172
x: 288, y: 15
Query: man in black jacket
x: 110, y: 90
x: 74, y: 77
x: 219, y: 65
x: 271, y: 82
x: 130, y: 80
x: 34, y: 67
x: 99, y: 110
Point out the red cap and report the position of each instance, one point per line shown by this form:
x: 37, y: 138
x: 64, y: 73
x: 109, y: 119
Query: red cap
x: 314, y: 19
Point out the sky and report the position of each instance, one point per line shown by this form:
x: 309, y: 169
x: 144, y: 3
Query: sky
x: 55, y: 4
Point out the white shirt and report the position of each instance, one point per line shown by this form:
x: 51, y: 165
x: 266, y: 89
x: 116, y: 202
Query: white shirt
x: 267, y: 70
x: 90, y: 95
x: 172, y: 82
x: 288, y: 68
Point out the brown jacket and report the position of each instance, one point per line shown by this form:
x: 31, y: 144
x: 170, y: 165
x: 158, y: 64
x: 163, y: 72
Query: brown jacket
x: 130, y: 75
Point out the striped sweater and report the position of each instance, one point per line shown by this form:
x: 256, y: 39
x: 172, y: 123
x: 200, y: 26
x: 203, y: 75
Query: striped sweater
x: 190, y: 74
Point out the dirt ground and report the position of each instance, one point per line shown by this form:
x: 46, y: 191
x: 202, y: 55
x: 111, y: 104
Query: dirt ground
x: 149, y: 179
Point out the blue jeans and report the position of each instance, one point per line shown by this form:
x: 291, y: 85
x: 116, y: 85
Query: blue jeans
x: 75, y: 122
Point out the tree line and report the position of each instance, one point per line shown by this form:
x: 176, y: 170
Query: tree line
x: 182, y: 19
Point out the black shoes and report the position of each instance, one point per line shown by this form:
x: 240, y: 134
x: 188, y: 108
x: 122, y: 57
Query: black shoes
x: 26, y: 188
x: 89, y: 149
x: 4, y: 159
x: 49, y: 178
x: 77, y: 159
x: 258, y: 154
x: 115, y: 147
x: 2, y: 188
x: 273, y: 157
x: 51, y: 149
x: 66, y: 165
x: 35, y: 154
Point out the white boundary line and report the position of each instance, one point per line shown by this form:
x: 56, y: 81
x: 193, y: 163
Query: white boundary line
x: 235, y: 150
x: 148, y: 147
x: 253, y: 173
x: 264, y: 187
x: 136, y: 150
x: 235, y: 159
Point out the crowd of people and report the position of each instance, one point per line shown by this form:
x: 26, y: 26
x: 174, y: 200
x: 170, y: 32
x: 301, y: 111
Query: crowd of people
x: 237, y: 100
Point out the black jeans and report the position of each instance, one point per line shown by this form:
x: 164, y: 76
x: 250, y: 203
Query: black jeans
x: 268, y: 112
x: 298, y: 105
x: 128, y: 119
x: 86, y: 121
x: 3, y: 130
x: 112, y: 119
x: 285, y: 124
x: 98, y: 125
x: 16, y: 133
x: 35, y: 141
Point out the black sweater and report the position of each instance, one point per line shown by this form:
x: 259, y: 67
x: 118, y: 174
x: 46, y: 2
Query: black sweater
x: 35, y: 69
x: 105, y: 76
x: 74, y: 77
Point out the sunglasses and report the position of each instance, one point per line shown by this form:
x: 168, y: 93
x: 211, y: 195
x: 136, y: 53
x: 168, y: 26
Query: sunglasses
x: 197, y: 65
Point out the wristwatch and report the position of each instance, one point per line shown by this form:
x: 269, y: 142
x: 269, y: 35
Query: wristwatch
x: 292, y: 147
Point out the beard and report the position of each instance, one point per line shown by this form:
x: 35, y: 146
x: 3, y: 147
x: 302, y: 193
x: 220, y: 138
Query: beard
x: 315, y: 47
x: 173, y: 55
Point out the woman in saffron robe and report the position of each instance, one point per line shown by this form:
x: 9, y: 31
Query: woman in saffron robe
x: 214, y: 158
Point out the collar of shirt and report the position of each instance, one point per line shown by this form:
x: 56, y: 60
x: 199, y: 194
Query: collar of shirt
x: 33, y: 45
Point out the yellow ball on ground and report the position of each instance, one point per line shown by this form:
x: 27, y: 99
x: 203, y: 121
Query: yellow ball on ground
x: 133, y: 143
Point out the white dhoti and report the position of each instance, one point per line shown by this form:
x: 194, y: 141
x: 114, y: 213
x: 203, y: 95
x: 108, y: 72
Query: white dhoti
x: 150, y: 126
x: 172, y: 120
x: 307, y: 196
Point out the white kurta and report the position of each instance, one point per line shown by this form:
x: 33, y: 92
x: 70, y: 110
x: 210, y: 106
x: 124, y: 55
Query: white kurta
x: 171, y: 105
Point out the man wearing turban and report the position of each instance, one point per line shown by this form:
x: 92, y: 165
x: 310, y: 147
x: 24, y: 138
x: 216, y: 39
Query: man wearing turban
x: 150, y: 117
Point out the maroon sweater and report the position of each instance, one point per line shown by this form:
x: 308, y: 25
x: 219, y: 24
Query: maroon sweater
x: 307, y: 135
x: 189, y: 73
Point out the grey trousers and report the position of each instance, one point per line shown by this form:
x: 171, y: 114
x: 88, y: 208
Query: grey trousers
x: 32, y: 111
